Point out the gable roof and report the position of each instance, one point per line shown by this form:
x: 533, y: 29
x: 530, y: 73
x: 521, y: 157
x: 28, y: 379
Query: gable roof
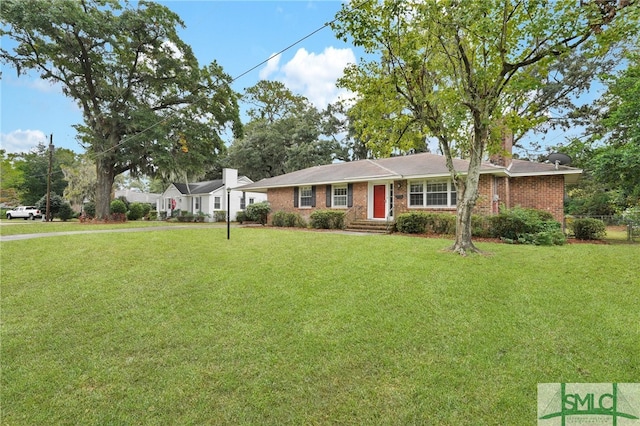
x: 199, y: 187
x: 206, y: 187
x: 414, y: 166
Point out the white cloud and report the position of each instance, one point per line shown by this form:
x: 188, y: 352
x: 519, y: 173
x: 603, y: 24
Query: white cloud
x: 313, y: 75
x: 270, y: 68
x: 21, y: 140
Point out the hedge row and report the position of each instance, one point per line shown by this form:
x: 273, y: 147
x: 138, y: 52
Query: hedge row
x: 517, y: 225
x: 287, y: 219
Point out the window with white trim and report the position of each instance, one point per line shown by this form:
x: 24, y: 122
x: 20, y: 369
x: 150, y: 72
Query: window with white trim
x: 416, y: 194
x: 339, y: 198
x: 216, y: 203
x: 432, y: 193
x: 306, y: 196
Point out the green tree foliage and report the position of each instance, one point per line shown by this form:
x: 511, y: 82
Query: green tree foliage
x: 338, y: 124
x: 284, y: 134
x: 56, y: 203
x: 148, y: 106
x: 609, y: 150
x: 34, y: 167
x: 272, y: 101
x: 617, y: 164
x: 10, y: 179
x: 81, y: 180
x: 465, y: 72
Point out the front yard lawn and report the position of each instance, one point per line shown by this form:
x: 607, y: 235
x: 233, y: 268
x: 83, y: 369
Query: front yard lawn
x: 280, y: 327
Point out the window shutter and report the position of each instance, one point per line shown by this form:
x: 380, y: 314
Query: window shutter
x: 313, y: 196
x: 328, y: 195
x: 350, y: 195
x: 295, y: 197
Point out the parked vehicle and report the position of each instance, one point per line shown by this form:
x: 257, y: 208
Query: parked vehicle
x: 25, y: 212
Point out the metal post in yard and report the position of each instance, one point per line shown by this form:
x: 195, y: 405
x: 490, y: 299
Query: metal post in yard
x: 49, y: 216
x: 228, y: 212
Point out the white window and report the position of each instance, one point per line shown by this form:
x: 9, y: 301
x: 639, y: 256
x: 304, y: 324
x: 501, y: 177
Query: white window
x: 339, y: 196
x: 252, y: 200
x: 198, y: 204
x: 416, y: 194
x: 432, y: 193
x: 437, y: 194
x: 306, y: 196
x: 216, y: 203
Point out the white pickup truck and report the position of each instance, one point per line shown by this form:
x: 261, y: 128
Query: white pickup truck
x: 25, y: 212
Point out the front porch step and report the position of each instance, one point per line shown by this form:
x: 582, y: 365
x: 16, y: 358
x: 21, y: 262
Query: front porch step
x: 370, y: 226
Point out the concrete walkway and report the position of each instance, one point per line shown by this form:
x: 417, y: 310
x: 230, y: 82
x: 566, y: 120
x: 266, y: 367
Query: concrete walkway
x: 100, y: 231
x: 17, y: 237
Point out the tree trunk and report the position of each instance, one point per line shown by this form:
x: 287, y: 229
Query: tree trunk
x: 106, y: 177
x: 467, y: 192
x: 463, y: 243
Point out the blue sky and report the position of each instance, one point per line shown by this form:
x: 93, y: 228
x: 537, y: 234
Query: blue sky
x: 237, y: 34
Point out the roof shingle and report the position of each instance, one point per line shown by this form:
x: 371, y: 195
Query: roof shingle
x: 402, y: 167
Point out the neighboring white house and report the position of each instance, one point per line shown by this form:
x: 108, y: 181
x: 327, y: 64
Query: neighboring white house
x: 209, y: 197
x: 137, y: 197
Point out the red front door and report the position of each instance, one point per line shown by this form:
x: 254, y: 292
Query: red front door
x: 379, y: 192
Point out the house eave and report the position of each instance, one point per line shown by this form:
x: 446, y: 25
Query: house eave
x: 546, y: 173
x: 570, y: 176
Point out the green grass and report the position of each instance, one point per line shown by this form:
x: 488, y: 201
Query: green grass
x: 288, y: 327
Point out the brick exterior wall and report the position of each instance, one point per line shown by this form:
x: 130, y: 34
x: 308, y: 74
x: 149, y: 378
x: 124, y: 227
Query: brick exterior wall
x: 540, y: 192
x: 281, y: 199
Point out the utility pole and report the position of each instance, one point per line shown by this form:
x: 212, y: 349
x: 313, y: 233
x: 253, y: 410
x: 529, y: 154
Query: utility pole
x: 49, y: 217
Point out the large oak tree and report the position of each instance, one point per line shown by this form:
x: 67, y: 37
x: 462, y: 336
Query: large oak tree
x: 148, y: 106
x: 466, y: 72
x: 284, y: 134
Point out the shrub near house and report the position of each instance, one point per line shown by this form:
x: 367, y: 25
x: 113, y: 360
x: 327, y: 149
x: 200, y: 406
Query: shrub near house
x: 287, y: 219
x: 588, y: 228
x: 118, y: 210
x: 258, y: 212
x: 517, y: 225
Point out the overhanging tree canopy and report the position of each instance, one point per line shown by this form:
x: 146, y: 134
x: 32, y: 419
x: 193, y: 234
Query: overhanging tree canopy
x: 147, y: 105
x: 465, y: 72
x: 284, y: 134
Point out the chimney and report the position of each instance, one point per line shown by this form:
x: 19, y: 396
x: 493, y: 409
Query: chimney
x: 230, y: 178
x: 503, y: 157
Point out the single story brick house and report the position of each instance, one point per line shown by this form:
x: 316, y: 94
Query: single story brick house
x: 209, y: 197
x: 379, y: 190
